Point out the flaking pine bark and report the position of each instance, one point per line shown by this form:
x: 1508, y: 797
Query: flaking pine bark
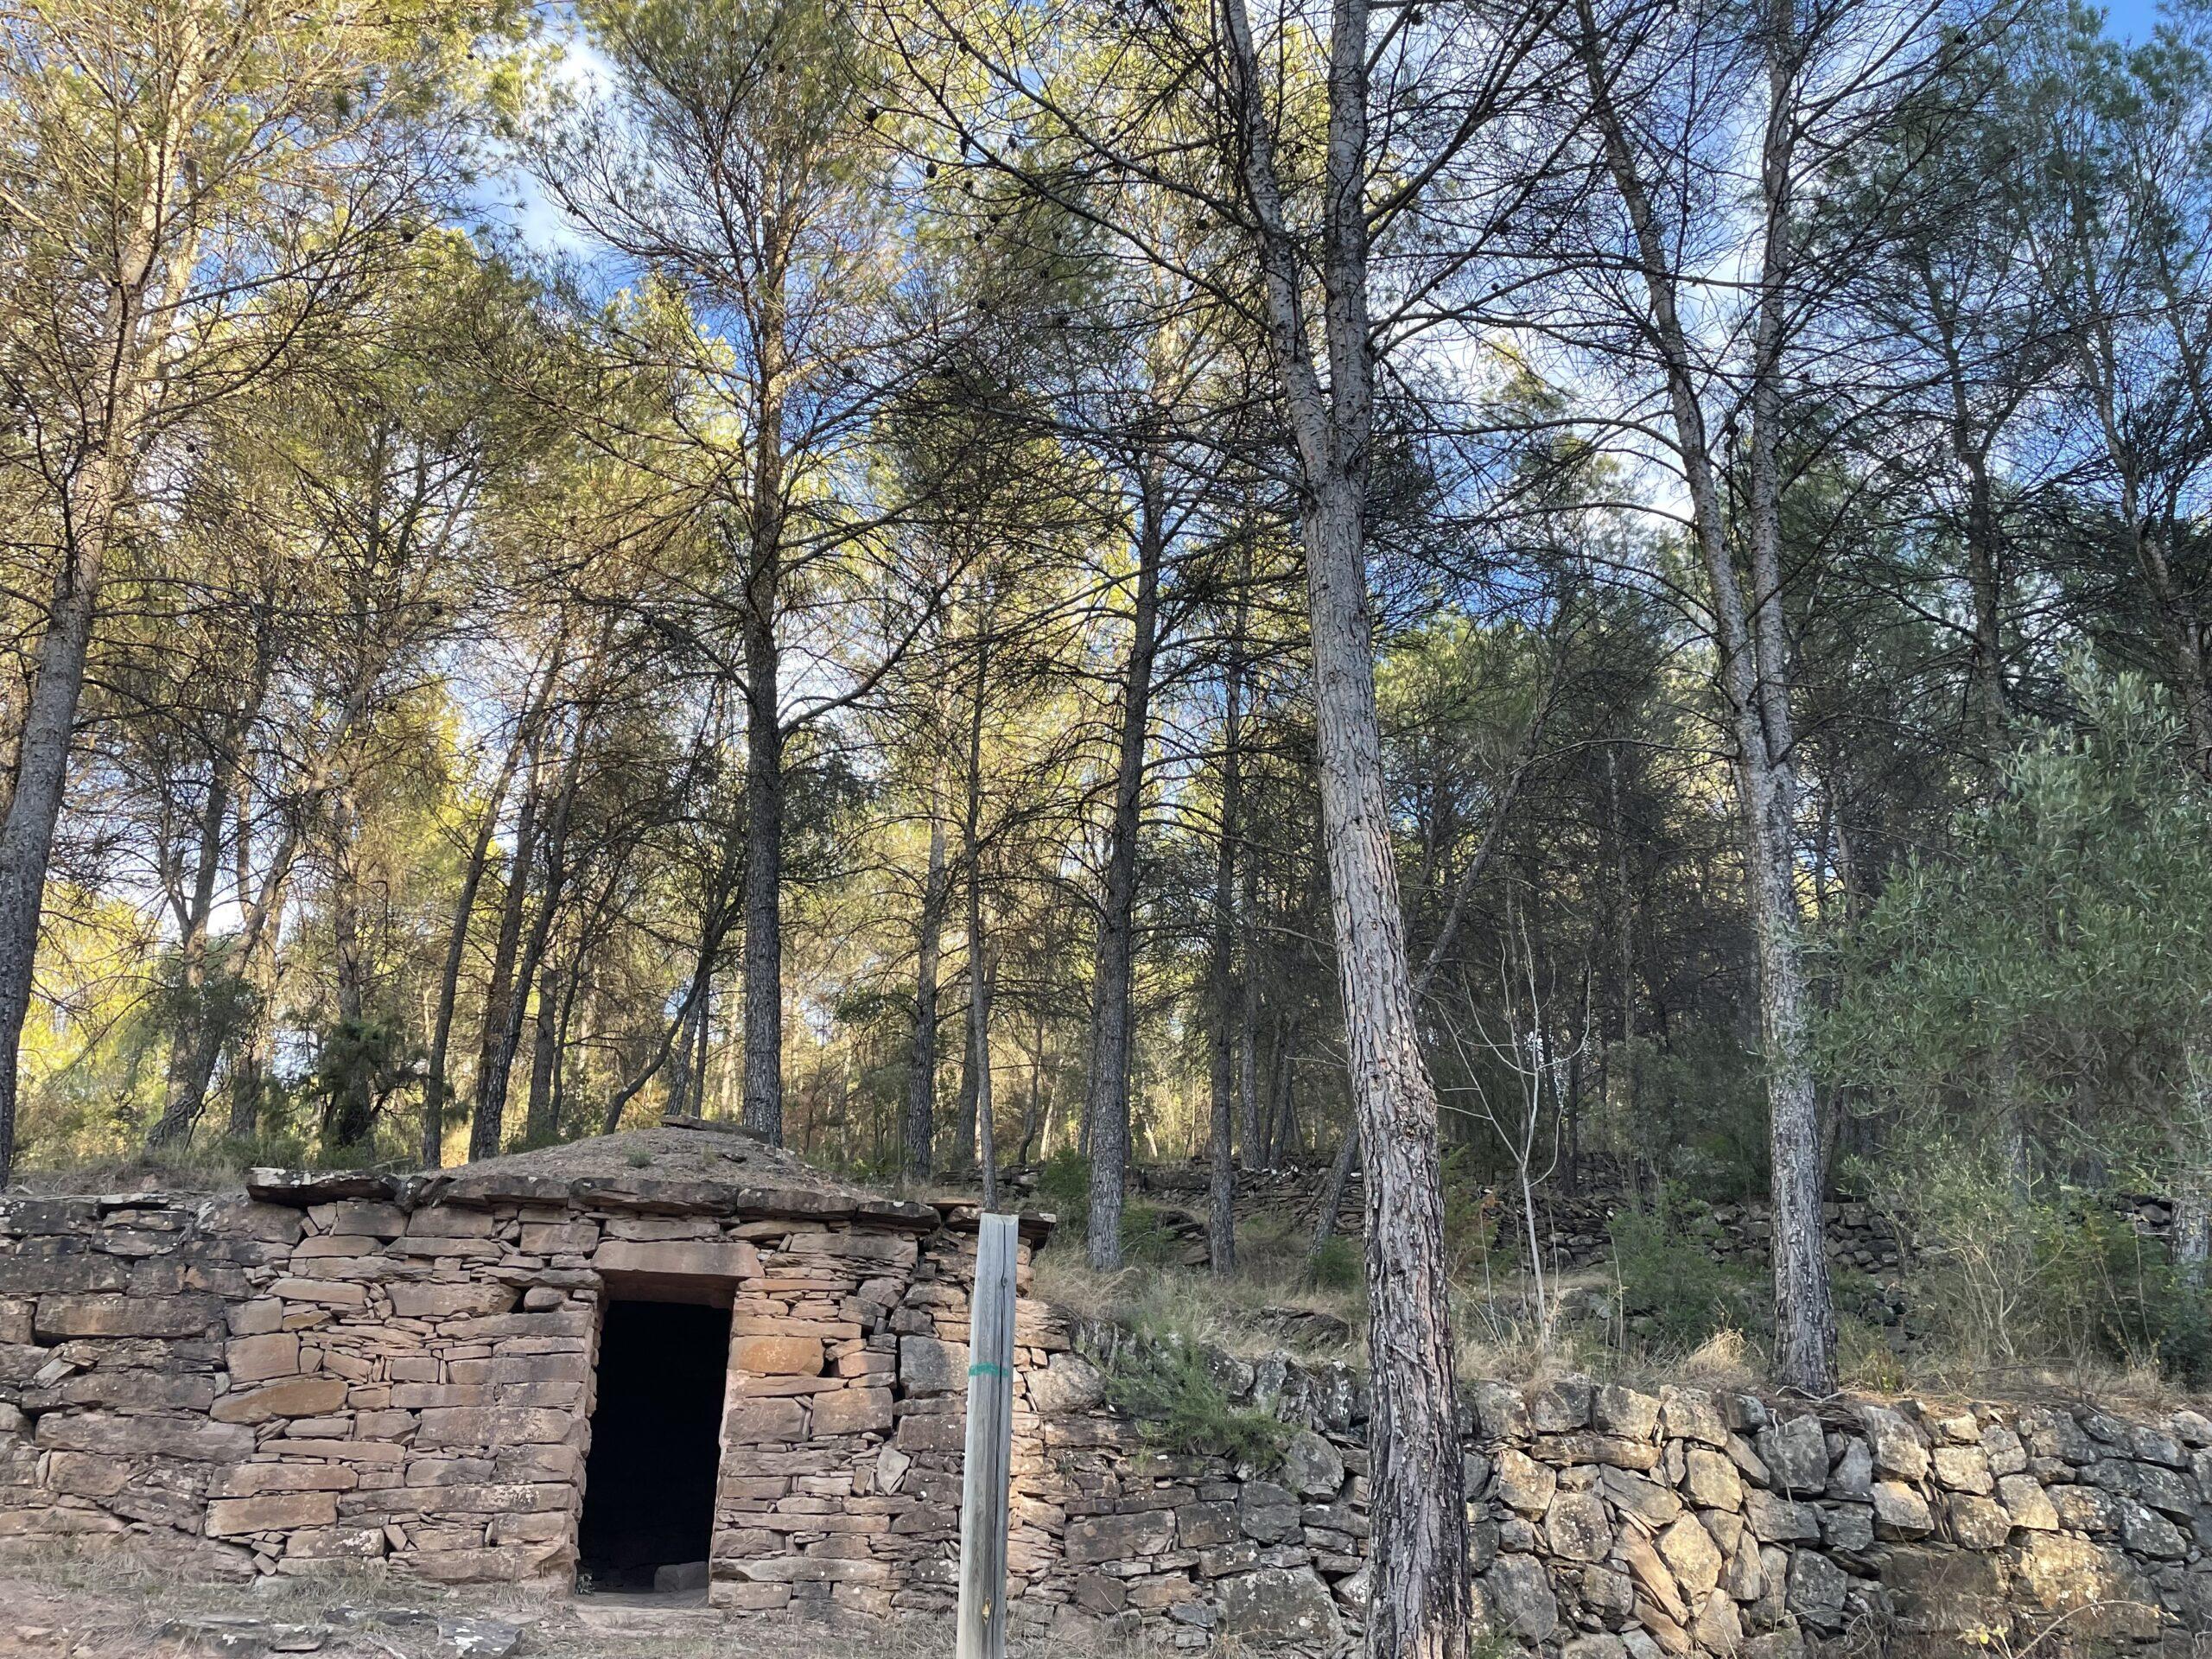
x: 1420, y: 1606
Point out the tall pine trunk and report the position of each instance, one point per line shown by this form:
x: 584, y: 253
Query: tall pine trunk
x: 1419, y: 1607
x: 763, y: 876
x: 1221, y: 1231
x: 1106, y: 1102
x: 487, y: 1123
x: 918, y: 1128
x: 1752, y: 680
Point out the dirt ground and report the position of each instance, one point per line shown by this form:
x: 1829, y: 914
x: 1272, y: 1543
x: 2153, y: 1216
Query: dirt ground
x: 75, y: 1607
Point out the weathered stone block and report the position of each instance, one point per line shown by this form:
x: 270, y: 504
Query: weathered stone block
x: 441, y: 1301
x: 1817, y: 1587
x: 257, y: 1359
x: 853, y: 1411
x: 1900, y: 1511
x: 1133, y: 1536
x: 1518, y: 1591
x: 1576, y: 1527
x: 63, y: 1316
x: 928, y: 1365
x: 1899, y: 1451
x: 1523, y: 1483
x: 1710, y: 1481
x: 192, y: 1439
x: 294, y: 1396
x: 727, y: 1258
x: 777, y: 1356
x: 754, y: 1421
x: 1278, y: 1605
x: 1066, y: 1381
x: 1689, y: 1550
x: 1796, y: 1455
x: 2027, y: 1502
x: 229, y: 1517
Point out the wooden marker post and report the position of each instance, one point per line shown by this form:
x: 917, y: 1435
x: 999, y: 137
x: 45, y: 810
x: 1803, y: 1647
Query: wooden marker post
x: 986, y: 1468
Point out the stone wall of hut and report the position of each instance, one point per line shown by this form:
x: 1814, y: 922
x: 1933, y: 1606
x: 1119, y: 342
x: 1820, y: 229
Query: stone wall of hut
x: 400, y: 1375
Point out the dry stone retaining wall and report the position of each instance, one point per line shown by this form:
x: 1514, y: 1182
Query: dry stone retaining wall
x: 401, y: 1376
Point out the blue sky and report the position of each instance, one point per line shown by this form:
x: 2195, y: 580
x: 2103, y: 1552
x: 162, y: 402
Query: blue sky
x: 2131, y: 20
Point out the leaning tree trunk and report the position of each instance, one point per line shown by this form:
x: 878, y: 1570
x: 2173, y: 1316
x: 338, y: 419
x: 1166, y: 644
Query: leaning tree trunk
x: 42, y: 765
x: 1106, y: 1105
x: 1420, y: 1605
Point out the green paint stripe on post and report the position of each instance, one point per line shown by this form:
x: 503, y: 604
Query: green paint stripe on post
x: 985, y: 1367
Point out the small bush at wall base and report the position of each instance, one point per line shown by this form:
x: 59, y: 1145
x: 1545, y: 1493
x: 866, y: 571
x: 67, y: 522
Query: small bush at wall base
x: 1169, y: 1389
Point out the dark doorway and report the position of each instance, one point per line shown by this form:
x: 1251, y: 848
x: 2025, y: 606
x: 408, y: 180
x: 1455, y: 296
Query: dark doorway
x: 656, y: 1433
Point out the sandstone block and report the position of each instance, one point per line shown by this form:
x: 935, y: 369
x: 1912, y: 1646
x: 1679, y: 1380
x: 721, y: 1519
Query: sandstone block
x: 753, y: 1422
x: 1523, y: 1483
x: 1133, y: 1536
x: 1617, y: 1410
x: 1963, y: 1469
x: 1576, y: 1527
x: 1796, y: 1455
x: 192, y: 1439
x: 1899, y: 1451
x: 1977, y: 1522
x: 257, y: 1479
x: 229, y: 1517
x: 438, y: 1302
x: 1817, y: 1587
x: 1311, y: 1466
x: 257, y: 1359
x: 1710, y: 1481
x: 1689, y: 1550
x: 853, y: 1411
x: 727, y: 1258
x: 928, y: 1365
x: 2027, y: 1502
x: 63, y: 1316
x: 777, y: 1356
x: 1066, y: 1382
x: 1518, y: 1591
x: 294, y: 1396
x: 1278, y: 1605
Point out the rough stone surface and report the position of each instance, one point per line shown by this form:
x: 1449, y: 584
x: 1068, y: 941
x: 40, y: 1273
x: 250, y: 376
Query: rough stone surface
x: 394, y: 1374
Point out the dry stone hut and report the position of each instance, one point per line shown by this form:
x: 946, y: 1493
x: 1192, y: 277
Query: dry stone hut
x: 678, y: 1354
x: 663, y: 1357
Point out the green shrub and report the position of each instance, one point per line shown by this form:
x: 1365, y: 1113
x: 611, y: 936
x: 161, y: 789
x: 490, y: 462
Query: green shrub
x: 1337, y: 1265
x: 1673, y: 1291
x: 1146, y: 1240
x: 1470, y: 1215
x: 1168, y: 1387
x: 1063, y: 1187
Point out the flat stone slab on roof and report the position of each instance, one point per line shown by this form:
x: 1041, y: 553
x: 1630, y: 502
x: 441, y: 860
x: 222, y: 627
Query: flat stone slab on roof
x: 677, y: 1168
